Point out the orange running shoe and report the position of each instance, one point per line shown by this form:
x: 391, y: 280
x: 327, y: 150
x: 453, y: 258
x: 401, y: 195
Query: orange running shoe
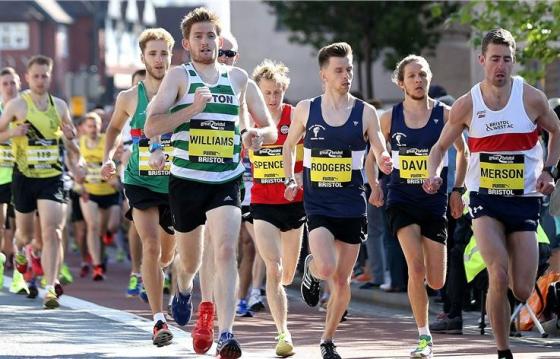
x: 98, y: 273
x: 161, y: 335
x: 203, y: 332
x: 108, y: 238
x: 36, y: 266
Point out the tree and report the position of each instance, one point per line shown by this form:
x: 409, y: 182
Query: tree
x: 393, y: 29
x: 534, y: 25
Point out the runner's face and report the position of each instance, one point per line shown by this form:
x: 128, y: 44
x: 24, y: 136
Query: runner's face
x: 416, y: 80
x: 337, y: 74
x: 497, y: 63
x: 230, y: 61
x: 203, y: 43
x: 39, y: 78
x: 273, y: 93
x: 92, y: 128
x: 157, y: 58
x: 9, y: 86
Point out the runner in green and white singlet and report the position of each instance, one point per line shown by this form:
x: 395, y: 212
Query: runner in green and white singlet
x: 208, y: 118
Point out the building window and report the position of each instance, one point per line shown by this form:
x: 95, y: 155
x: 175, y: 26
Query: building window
x: 14, y: 36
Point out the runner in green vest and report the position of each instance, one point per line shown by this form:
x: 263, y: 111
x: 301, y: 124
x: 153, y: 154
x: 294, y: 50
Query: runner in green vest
x: 208, y: 117
x: 146, y: 187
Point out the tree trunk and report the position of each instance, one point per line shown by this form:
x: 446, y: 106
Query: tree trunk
x: 366, y: 50
x: 359, y: 62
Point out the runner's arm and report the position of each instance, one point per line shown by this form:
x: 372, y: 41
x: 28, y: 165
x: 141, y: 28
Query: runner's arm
x: 8, y: 115
x: 295, y: 133
x: 548, y: 120
x: 118, y: 120
x: 377, y: 139
x: 158, y: 118
x: 259, y: 113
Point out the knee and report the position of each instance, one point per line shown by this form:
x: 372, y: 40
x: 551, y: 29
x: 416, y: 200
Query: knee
x: 225, y: 252
x: 498, y: 279
x: 417, y: 271
x: 166, y: 260
x: 287, y: 276
x: 436, y: 282
x: 151, y: 250
x: 274, y: 271
x: 324, y: 270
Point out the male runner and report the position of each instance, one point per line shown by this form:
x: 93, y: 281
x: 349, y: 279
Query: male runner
x: 100, y: 201
x: 505, y: 176
x: 146, y: 188
x: 10, y: 85
x: 43, y: 123
x: 416, y: 218
x: 208, y: 104
x: 278, y: 222
x: 337, y: 127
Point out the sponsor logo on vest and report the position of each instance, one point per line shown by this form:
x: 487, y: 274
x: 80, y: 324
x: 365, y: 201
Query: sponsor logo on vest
x: 215, y: 125
x: 498, y: 125
x: 481, y: 114
x: 436, y: 120
x: 284, y: 129
x: 398, y: 136
x: 331, y: 153
x: 315, y: 130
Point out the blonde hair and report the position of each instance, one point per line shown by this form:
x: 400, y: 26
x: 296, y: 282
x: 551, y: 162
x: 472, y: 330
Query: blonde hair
x: 200, y: 14
x: 93, y: 116
x: 398, y: 73
x: 271, y: 70
x: 155, y: 34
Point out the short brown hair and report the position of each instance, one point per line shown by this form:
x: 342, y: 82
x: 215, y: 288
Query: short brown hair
x: 155, y: 34
x: 498, y: 36
x: 398, y: 73
x: 338, y: 49
x: 270, y: 70
x: 8, y: 71
x: 40, y: 60
x: 200, y: 14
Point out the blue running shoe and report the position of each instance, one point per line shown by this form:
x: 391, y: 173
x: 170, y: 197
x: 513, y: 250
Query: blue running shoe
x: 228, y: 347
x: 243, y: 309
x: 181, y: 308
x: 143, y: 294
x: 33, y: 290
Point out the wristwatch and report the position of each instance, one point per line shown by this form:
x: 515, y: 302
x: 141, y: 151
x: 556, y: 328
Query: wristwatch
x: 154, y: 147
x: 552, y: 171
x: 289, y: 181
x: 460, y: 190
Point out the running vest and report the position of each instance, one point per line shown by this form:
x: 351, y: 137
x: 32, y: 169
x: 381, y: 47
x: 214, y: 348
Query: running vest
x: 268, y: 168
x: 38, y: 154
x: 333, y: 158
x: 506, y: 156
x: 207, y: 148
x: 94, y: 183
x: 138, y: 171
x: 6, y: 159
x: 410, y: 148
x: 247, y: 178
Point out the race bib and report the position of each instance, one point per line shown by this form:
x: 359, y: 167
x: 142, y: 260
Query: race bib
x: 144, y: 154
x: 43, y: 154
x: 211, y: 141
x: 94, y: 172
x: 331, y: 168
x: 413, y: 164
x: 267, y: 165
x: 6, y: 156
x: 502, y: 174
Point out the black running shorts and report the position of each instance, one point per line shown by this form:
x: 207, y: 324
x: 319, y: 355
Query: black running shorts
x: 431, y: 226
x: 77, y: 214
x: 106, y: 201
x: 348, y: 230
x: 142, y: 198
x: 190, y: 200
x: 6, y: 193
x: 285, y: 217
x: 246, y: 215
x: 26, y: 191
x: 517, y: 214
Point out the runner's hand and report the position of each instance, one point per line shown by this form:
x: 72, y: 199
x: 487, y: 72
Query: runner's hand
x: 202, y: 96
x: 376, y: 196
x: 252, y: 139
x: 385, y: 163
x: 456, y: 204
x: 299, y: 179
x: 431, y: 185
x: 69, y: 132
x: 157, y: 160
x: 108, y: 170
x: 291, y: 191
x: 18, y: 131
x: 545, y: 183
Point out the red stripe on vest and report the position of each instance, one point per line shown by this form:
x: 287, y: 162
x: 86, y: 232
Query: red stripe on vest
x: 504, y: 142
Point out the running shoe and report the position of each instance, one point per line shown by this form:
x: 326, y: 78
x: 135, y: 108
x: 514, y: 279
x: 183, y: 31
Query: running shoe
x: 2, y: 262
x: 21, y: 263
x: 446, y: 325
x: 255, y: 301
x: 284, y: 347
x: 108, y: 238
x: 65, y: 275
x: 328, y: 351
x: 84, y: 270
x: 181, y: 307
x: 243, y: 309
x: 120, y: 256
x: 51, y: 300
x: 134, y: 286
x: 424, y: 348
x: 58, y: 290
x: 36, y: 266
x: 203, y: 332
x: 19, y: 286
x: 98, y: 273
x: 310, y: 286
x: 161, y: 335
x: 143, y: 294
x: 228, y: 347
x: 33, y: 290
x: 166, y: 284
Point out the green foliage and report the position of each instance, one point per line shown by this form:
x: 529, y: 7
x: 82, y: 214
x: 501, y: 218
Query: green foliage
x: 534, y: 25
